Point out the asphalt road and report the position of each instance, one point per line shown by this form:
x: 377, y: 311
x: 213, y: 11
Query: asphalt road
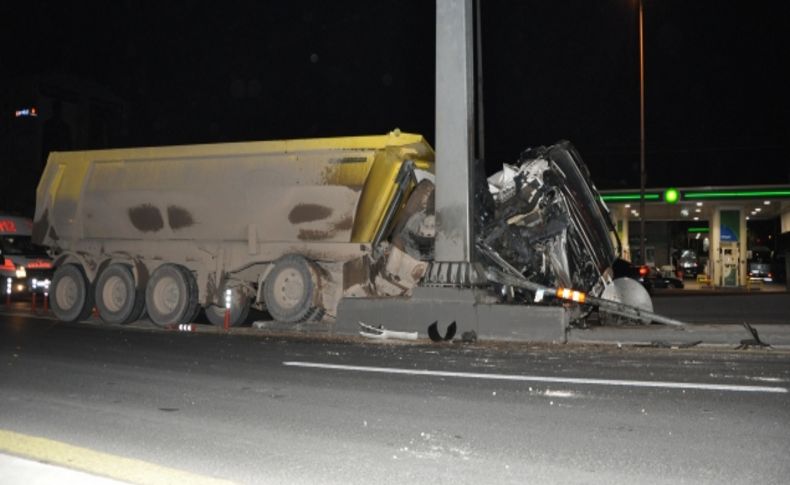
x: 255, y: 410
x: 725, y: 308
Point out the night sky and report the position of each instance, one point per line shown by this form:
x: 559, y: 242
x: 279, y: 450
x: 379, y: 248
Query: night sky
x: 197, y: 72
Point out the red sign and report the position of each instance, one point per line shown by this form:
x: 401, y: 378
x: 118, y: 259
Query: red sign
x: 7, y: 225
x: 39, y: 264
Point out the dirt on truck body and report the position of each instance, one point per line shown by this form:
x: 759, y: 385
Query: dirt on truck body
x: 294, y: 226
x: 172, y: 229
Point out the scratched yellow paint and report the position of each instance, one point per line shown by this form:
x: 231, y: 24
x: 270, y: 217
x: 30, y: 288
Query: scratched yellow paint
x: 97, y: 463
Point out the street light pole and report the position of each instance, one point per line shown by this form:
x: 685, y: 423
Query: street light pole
x: 642, y: 174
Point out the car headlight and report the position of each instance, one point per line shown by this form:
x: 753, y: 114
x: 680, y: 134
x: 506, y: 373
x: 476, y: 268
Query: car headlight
x: 20, y: 272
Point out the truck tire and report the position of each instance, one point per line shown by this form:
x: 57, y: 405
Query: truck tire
x: 71, y: 297
x: 239, y: 309
x: 171, y: 296
x: 290, y: 290
x: 117, y: 297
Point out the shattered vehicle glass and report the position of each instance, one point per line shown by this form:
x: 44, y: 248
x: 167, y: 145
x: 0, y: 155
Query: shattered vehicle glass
x: 545, y: 219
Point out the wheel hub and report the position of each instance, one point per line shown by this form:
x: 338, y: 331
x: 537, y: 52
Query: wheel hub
x: 114, y: 293
x: 66, y: 293
x: 166, y: 295
x: 290, y: 288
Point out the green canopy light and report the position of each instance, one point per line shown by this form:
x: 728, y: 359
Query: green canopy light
x: 627, y: 197
x: 671, y: 196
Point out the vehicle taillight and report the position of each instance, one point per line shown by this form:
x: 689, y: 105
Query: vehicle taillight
x: 643, y: 271
x: 573, y: 295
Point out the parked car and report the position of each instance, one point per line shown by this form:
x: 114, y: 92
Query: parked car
x: 760, y: 264
x: 649, y: 276
x: 688, y: 264
x: 661, y: 279
x: 24, y: 267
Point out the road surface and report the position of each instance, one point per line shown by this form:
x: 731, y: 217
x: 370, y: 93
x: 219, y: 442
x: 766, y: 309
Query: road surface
x: 289, y: 410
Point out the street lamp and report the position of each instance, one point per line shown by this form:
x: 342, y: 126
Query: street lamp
x: 642, y: 174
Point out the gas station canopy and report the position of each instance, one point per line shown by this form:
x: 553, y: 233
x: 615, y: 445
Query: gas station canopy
x: 698, y: 203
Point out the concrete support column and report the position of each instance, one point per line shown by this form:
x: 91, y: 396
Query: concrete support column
x: 743, y: 240
x: 454, y: 130
x: 785, y: 217
x: 621, y: 224
x: 714, y: 256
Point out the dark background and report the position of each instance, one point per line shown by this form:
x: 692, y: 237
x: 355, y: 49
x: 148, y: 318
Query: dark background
x: 198, y: 72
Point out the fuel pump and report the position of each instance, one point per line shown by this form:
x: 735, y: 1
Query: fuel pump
x: 729, y: 255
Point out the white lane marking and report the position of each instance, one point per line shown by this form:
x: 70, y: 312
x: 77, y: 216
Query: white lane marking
x: 564, y: 380
x: 551, y: 393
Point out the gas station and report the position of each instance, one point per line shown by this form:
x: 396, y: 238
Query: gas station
x: 716, y: 219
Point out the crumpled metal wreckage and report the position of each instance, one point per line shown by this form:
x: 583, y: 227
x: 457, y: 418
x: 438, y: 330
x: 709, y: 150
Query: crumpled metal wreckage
x: 544, y: 231
x: 544, y: 236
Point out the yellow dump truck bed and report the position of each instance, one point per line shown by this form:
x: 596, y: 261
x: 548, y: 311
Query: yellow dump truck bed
x: 312, y: 190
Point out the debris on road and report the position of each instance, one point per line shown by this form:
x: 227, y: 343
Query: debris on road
x: 665, y: 344
x: 435, y: 336
x: 755, y: 341
x: 381, y: 333
x: 469, y: 337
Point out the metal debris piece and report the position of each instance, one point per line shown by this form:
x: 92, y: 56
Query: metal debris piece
x: 603, y: 305
x: 752, y: 342
x: 469, y: 337
x: 664, y: 344
x: 433, y: 332
x: 381, y: 333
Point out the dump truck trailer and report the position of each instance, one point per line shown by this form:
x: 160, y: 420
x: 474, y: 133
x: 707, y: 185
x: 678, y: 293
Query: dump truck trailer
x: 285, y: 225
x: 292, y: 227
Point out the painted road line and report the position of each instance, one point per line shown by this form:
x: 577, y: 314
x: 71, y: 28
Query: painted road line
x: 95, y: 462
x: 701, y: 386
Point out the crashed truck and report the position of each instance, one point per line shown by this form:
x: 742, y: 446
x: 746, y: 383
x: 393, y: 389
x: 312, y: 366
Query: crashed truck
x: 292, y: 227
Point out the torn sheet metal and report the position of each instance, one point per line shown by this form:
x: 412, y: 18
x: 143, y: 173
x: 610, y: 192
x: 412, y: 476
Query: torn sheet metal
x: 380, y: 333
x: 546, y: 220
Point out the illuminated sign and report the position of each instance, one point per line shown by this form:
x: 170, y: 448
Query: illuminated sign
x: 26, y: 113
x: 39, y: 264
x: 736, y: 194
x: 698, y: 229
x: 627, y: 197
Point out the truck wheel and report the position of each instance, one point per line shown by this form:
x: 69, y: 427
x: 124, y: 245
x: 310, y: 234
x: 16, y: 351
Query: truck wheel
x: 290, y: 289
x: 239, y: 309
x: 117, y: 298
x: 71, y: 297
x: 171, y: 296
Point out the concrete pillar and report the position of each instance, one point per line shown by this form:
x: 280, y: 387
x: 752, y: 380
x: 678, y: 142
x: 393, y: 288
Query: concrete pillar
x: 621, y: 223
x: 785, y: 217
x: 714, y: 258
x: 454, y: 130
x: 743, y: 241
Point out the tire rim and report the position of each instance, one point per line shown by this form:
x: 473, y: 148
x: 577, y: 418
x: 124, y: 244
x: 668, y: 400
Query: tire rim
x: 67, y: 293
x: 289, y: 288
x: 166, y: 295
x: 114, y: 294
